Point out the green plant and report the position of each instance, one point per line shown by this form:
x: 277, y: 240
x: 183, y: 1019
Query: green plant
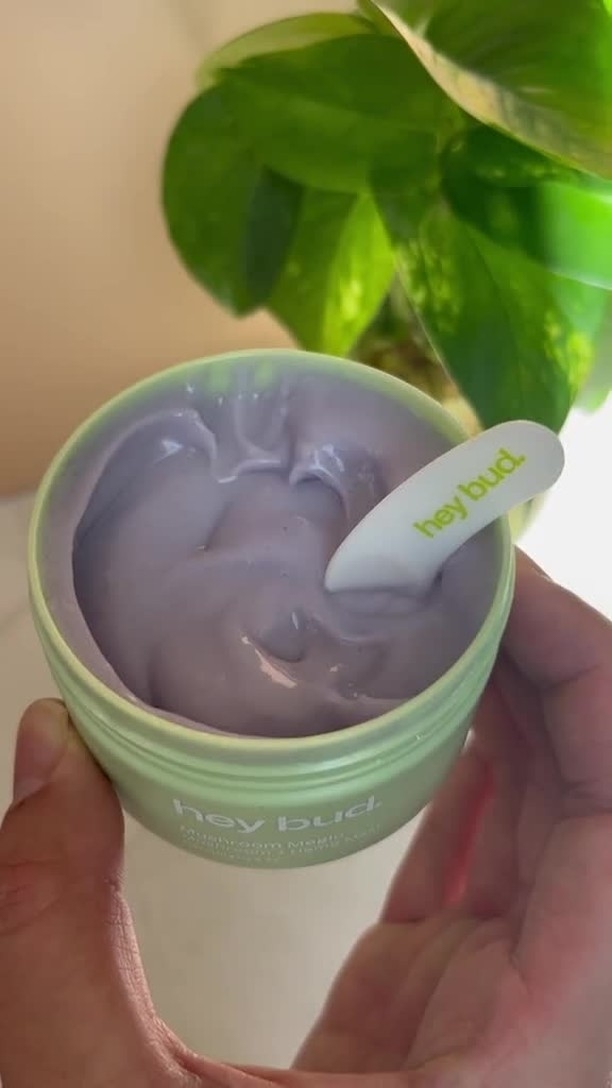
x: 422, y: 182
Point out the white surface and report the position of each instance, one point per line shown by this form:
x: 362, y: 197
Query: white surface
x: 238, y: 960
x: 572, y: 535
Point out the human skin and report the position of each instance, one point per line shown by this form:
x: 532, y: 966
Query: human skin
x: 490, y: 967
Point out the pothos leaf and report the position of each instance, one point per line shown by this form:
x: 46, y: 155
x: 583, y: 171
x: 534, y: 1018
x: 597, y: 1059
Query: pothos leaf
x: 517, y: 339
x: 327, y: 114
x: 231, y: 219
x: 558, y: 216
x: 276, y: 37
x: 540, y: 71
x: 337, y: 274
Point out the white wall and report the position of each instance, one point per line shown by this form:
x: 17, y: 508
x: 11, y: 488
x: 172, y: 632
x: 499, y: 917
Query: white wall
x: 91, y: 294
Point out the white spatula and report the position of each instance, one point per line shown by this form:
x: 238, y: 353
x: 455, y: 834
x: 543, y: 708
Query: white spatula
x: 406, y: 539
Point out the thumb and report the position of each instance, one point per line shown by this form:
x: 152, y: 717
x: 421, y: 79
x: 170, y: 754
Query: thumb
x: 74, y: 1007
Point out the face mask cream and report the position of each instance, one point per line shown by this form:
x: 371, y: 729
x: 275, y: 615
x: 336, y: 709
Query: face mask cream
x: 177, y: 559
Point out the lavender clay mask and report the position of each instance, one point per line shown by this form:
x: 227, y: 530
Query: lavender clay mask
x: 177, y: 553
x: 185, y: 562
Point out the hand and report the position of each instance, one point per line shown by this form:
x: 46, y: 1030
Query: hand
x: 490, y: 968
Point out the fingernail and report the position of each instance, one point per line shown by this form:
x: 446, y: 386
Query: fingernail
x: 41, y: 742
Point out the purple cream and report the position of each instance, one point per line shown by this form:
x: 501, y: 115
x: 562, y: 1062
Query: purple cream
x: 188, y: 547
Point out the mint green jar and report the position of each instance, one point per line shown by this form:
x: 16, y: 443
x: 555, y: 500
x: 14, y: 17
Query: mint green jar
x: 269, y: 803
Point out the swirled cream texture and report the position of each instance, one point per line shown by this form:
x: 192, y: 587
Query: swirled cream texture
x: 200, y: 537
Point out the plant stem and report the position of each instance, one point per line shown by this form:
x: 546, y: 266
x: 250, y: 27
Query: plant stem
x: 395, y: 343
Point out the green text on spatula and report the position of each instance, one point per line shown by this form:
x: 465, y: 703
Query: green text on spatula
x: 406, y: 539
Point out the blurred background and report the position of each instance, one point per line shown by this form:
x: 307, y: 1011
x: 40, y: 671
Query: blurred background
x: 92, y: 297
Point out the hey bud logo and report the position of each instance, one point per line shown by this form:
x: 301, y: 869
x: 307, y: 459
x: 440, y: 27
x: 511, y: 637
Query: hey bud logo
x: 282, y: 824
x: 457, y: 508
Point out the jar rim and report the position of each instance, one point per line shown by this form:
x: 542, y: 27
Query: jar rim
x: 234, y: 747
